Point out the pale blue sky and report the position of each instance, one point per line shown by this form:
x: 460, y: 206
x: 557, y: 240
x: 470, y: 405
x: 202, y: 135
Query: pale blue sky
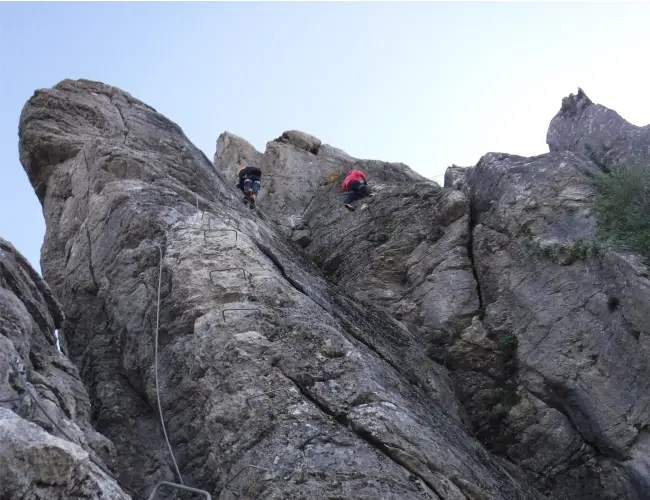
x: 428, y: 84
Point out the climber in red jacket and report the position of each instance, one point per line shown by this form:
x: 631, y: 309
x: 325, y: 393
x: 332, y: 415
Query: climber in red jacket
x: 356, y: 185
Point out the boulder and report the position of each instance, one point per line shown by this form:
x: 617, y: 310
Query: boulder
x: 234, y: 153
x: 300, y: 140
x: 36, y: 464
x: 472, y: 341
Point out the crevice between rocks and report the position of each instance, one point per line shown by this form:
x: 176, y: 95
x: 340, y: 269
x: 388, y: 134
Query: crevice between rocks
x: 126, y: 128
x: 348, y: 328
x: 470, y: 252
x: 341, y: 417
x: 90, y: 259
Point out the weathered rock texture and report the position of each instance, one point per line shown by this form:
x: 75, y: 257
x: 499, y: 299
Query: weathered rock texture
x: 405, y: 249
x: 457, y: 343
x: 499, y: 278
x: 597, y: 132
x: 358, y: 410
x: 43, y: 455
x: 576, y: 406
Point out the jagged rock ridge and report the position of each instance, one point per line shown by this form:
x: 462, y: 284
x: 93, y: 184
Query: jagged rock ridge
x: 597, y: 132
x: 417, y: 348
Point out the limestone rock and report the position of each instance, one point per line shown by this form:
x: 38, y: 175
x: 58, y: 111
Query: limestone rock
x: 307, y: 392
x: 405, y: 249
x: 34, y: 463
x: 292, y: 176
x: 597, y: 132
x: 234, y: 153
x: 301, y: 140
x: 575, y: 400
x: 456, y: 177
x: 437, y: 259
x: 302, y: 237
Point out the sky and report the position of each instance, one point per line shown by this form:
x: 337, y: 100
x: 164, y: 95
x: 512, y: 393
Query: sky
x: 427, y: 84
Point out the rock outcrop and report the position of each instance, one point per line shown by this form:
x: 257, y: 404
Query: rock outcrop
x: 501, y: 279
x: 308, y: 394
x: 576, y: 406
x: 405, y: 249
x: 601, y: 134
x: 458, y: 343
x: 48, y: 447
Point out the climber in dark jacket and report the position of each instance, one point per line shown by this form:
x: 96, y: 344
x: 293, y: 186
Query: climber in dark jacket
x: 249, y: 182
x: 356, y: 185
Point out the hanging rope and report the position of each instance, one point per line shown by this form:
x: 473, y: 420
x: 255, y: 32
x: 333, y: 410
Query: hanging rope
x: 162, y: 420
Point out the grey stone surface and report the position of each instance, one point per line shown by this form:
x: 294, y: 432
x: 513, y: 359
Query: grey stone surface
x: 234, y: 153
x: 36, y: 460
x: 301, y: 236
x: 405, y: 249
x: 573, y: 400
x: 292, y: 176
x: 456, y: 177
x: 467, y: 342
x: 327, y: 393
x: 598, y: 132
x: 497, y: 279
x: 301, y: 140
x: 36, y: 464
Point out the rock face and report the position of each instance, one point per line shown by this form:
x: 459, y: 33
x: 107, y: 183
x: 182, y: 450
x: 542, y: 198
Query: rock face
x: 46, y: 438
x: 405, y: 249
x: 599, y: 133
x: 576, y: 406
x: 457, y: 343
x: 309, y: 393
x: 500, y: 279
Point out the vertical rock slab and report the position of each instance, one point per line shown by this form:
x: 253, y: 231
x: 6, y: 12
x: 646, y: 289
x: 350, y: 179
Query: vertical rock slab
x: 46, y: 437
x: 577, y: 402
x: 100, y: 161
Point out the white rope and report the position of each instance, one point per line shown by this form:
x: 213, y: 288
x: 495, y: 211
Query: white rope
x: 162, y: 421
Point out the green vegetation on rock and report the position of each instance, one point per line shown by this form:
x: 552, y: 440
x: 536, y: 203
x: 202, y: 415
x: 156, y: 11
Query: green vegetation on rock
x: 623, y: 208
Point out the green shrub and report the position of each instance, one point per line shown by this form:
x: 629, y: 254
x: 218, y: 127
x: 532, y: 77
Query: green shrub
x: 508, y: 341
x: 582, y: 249
x: 623, y: 208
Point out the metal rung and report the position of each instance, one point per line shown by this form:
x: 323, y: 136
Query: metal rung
x: 223, y: 311
x: 229, y: 269
x: 223, y: 218
x: 204, y: 493
x: 205, y: 237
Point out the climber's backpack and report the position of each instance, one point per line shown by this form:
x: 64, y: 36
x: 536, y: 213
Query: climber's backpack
x: 253, y: 172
